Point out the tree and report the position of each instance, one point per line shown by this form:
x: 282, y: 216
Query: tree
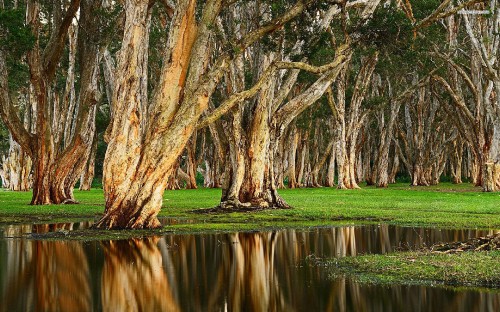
x: 58, y: 147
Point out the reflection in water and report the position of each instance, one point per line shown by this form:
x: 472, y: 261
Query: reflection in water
x: 133, y: 278
x: 51, y: 276
x: 242, y: 271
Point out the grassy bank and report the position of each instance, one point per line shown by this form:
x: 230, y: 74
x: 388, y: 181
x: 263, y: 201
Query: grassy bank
x: 446, y: 205
x: 477, y: 269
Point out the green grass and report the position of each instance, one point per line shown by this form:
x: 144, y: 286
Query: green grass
x: 476, y: 269
x: 445, y: 206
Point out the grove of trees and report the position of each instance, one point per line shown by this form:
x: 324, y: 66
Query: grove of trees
x: 248, y: 96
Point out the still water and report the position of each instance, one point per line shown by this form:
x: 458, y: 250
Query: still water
x: 264, y: 271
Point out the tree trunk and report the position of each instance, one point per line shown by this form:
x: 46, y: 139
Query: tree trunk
x: 386, y: 139
x: 292, y: 159
x: 347, y: 131
x: 330, y: 178
x: 456, y: 160
x: 16, y: 169
x: 89, y: 171
x: 394, y: 168
x: 191, y: 163
x: 251, y: 181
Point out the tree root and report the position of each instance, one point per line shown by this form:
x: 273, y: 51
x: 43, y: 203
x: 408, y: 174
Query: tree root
x: 487, y: 243
x: 70, y: 201
x: 229, y: 206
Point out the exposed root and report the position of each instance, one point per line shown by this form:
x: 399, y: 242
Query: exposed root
x: 70, y: 201
x: 229, y: 206
x: 488, y: 243
x: 112, y: 222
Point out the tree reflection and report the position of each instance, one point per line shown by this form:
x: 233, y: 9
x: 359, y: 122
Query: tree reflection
x: 45, y: 275
x: 133, y: 278
x: 267, y: 271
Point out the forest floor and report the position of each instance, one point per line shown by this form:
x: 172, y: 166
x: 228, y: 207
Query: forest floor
x: 444, y: 206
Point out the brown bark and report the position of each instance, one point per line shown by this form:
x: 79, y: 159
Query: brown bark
x: 395, y: 167
x: 191, y: 162
x: 330, y: 179
x: 492, y: 177
x: 456, y: 160
x: 214, y: 157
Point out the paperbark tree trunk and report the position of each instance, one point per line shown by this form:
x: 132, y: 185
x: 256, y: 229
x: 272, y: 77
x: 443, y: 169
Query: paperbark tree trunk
x: 87, y: 176
x: 394, y: 168
x: 456, y: 161
x: 476, y: 117
x: 386, y: 139
x: 292, y: 150
x: 191, y: 163
x: 16, y: 169
x: 330, y: 178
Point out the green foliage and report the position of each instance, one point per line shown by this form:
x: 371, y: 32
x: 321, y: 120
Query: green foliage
x: 388, y: 30
x: 15, y: 37
x: 15, y: 40
x: 4, y: 139
x: 424, y: 8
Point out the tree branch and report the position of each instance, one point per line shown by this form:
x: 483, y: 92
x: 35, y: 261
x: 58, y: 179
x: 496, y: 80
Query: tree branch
x: 458, y: 103
x: 241, y: 96
x: 55, y: 47
x: 439, y: 14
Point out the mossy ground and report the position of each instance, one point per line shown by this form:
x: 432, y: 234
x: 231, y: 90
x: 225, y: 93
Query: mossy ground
x: 476, y: 269
x: 445, y: 206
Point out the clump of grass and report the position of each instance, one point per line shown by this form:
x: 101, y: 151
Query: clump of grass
x: 477, y: 269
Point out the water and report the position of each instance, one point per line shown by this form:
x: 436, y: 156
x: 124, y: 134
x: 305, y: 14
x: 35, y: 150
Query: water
x: 263, y: 271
